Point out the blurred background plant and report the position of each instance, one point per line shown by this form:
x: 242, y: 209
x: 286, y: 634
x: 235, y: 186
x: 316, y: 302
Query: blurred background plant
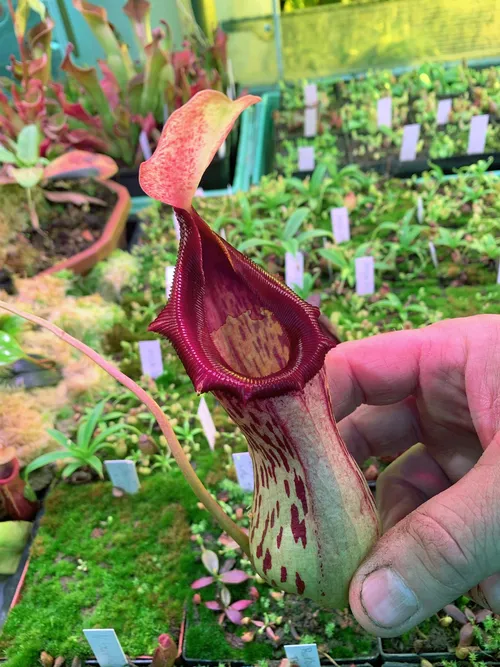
x: 106, y: 110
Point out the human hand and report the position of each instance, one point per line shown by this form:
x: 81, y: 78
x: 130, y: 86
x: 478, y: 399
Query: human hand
x: 440, y: 501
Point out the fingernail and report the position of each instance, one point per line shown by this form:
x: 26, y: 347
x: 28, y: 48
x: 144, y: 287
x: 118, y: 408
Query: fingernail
x: 387, y: 599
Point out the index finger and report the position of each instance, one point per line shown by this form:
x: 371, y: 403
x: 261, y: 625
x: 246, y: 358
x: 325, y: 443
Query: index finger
x: 376, y: 371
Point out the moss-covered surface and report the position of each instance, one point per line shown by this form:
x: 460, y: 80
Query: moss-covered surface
x: 335, y: 632
x: 101, y: 561
x: 289, y: 618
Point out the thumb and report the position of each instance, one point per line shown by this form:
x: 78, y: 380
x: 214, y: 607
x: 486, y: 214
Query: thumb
x: 435, y: 554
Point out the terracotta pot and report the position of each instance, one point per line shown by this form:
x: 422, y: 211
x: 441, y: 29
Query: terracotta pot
x: 109, y: 240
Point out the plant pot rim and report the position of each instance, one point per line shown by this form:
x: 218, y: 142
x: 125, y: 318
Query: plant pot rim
x: 412, y: 657
x: 83, y: 261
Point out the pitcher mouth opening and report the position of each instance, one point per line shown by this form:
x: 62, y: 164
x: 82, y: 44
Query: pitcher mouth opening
x: 236, y: 328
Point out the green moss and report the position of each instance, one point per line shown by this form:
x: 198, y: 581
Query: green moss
x: 100, y: 561
x: 206, y: 640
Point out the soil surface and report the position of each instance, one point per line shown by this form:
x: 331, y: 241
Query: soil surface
x: 434, y: 640
x: 69, y: 229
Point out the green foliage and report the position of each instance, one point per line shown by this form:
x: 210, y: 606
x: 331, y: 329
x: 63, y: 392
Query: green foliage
x: 138, y: 569
x: 348, y: 131
x: 84, y: 451
x: 10, y: 350
x: 25, y: 165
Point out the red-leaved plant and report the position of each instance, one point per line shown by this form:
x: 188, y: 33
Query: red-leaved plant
x: 219, y: 574
x: 260, y: 348
x: 230, y: 610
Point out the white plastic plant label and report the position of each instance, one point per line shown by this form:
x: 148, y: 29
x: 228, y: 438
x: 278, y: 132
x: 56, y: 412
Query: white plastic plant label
x: 365, y: 275
x: 169, y: 280
x: 477, y: 134
x: 303, y: 655
x: 106, y: 647
x: 144, y: 144
x: 306, y: 158
x: 384, y: 112
x: 294, y: 269
x: 244, y: 470
x: 207, y: 423
x: 151, y: 359
x: 223, y: 233
x: 311, y: 122
x: 443, y: 111
x: 434, y: 257
x: 123, y: 475
x: 200, y: 192
x: 411, y: 135
x: 340, y: 224
x: 498, y: 274
x: 177, y: 227
x: 420, y: 210
x: 310, y: 94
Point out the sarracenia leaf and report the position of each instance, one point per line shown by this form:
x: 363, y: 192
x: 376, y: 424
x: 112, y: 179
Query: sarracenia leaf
x: 97, y: 19
x: 138, y: 12
x: 87, y: 78
x: 260, y: 348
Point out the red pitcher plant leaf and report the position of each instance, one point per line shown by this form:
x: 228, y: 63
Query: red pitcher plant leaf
x: 87, y: 78
x: 138, y: 12
x: 109, y: 85
x: 251, y: 340
x: 81, y: 164
x: 75, y: 109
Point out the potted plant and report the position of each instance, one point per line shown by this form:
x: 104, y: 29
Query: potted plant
x: 48, y: 227
x: 134, y: 99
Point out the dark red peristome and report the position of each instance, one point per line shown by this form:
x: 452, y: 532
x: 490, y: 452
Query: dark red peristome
x: 236, y: 328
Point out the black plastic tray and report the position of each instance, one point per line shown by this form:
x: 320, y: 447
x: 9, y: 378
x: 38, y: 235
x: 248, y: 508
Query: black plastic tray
x: 396, y: 658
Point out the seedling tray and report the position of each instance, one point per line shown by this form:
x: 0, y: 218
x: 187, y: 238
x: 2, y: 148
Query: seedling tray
x: 437, y: 656
x: 364, y: 661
